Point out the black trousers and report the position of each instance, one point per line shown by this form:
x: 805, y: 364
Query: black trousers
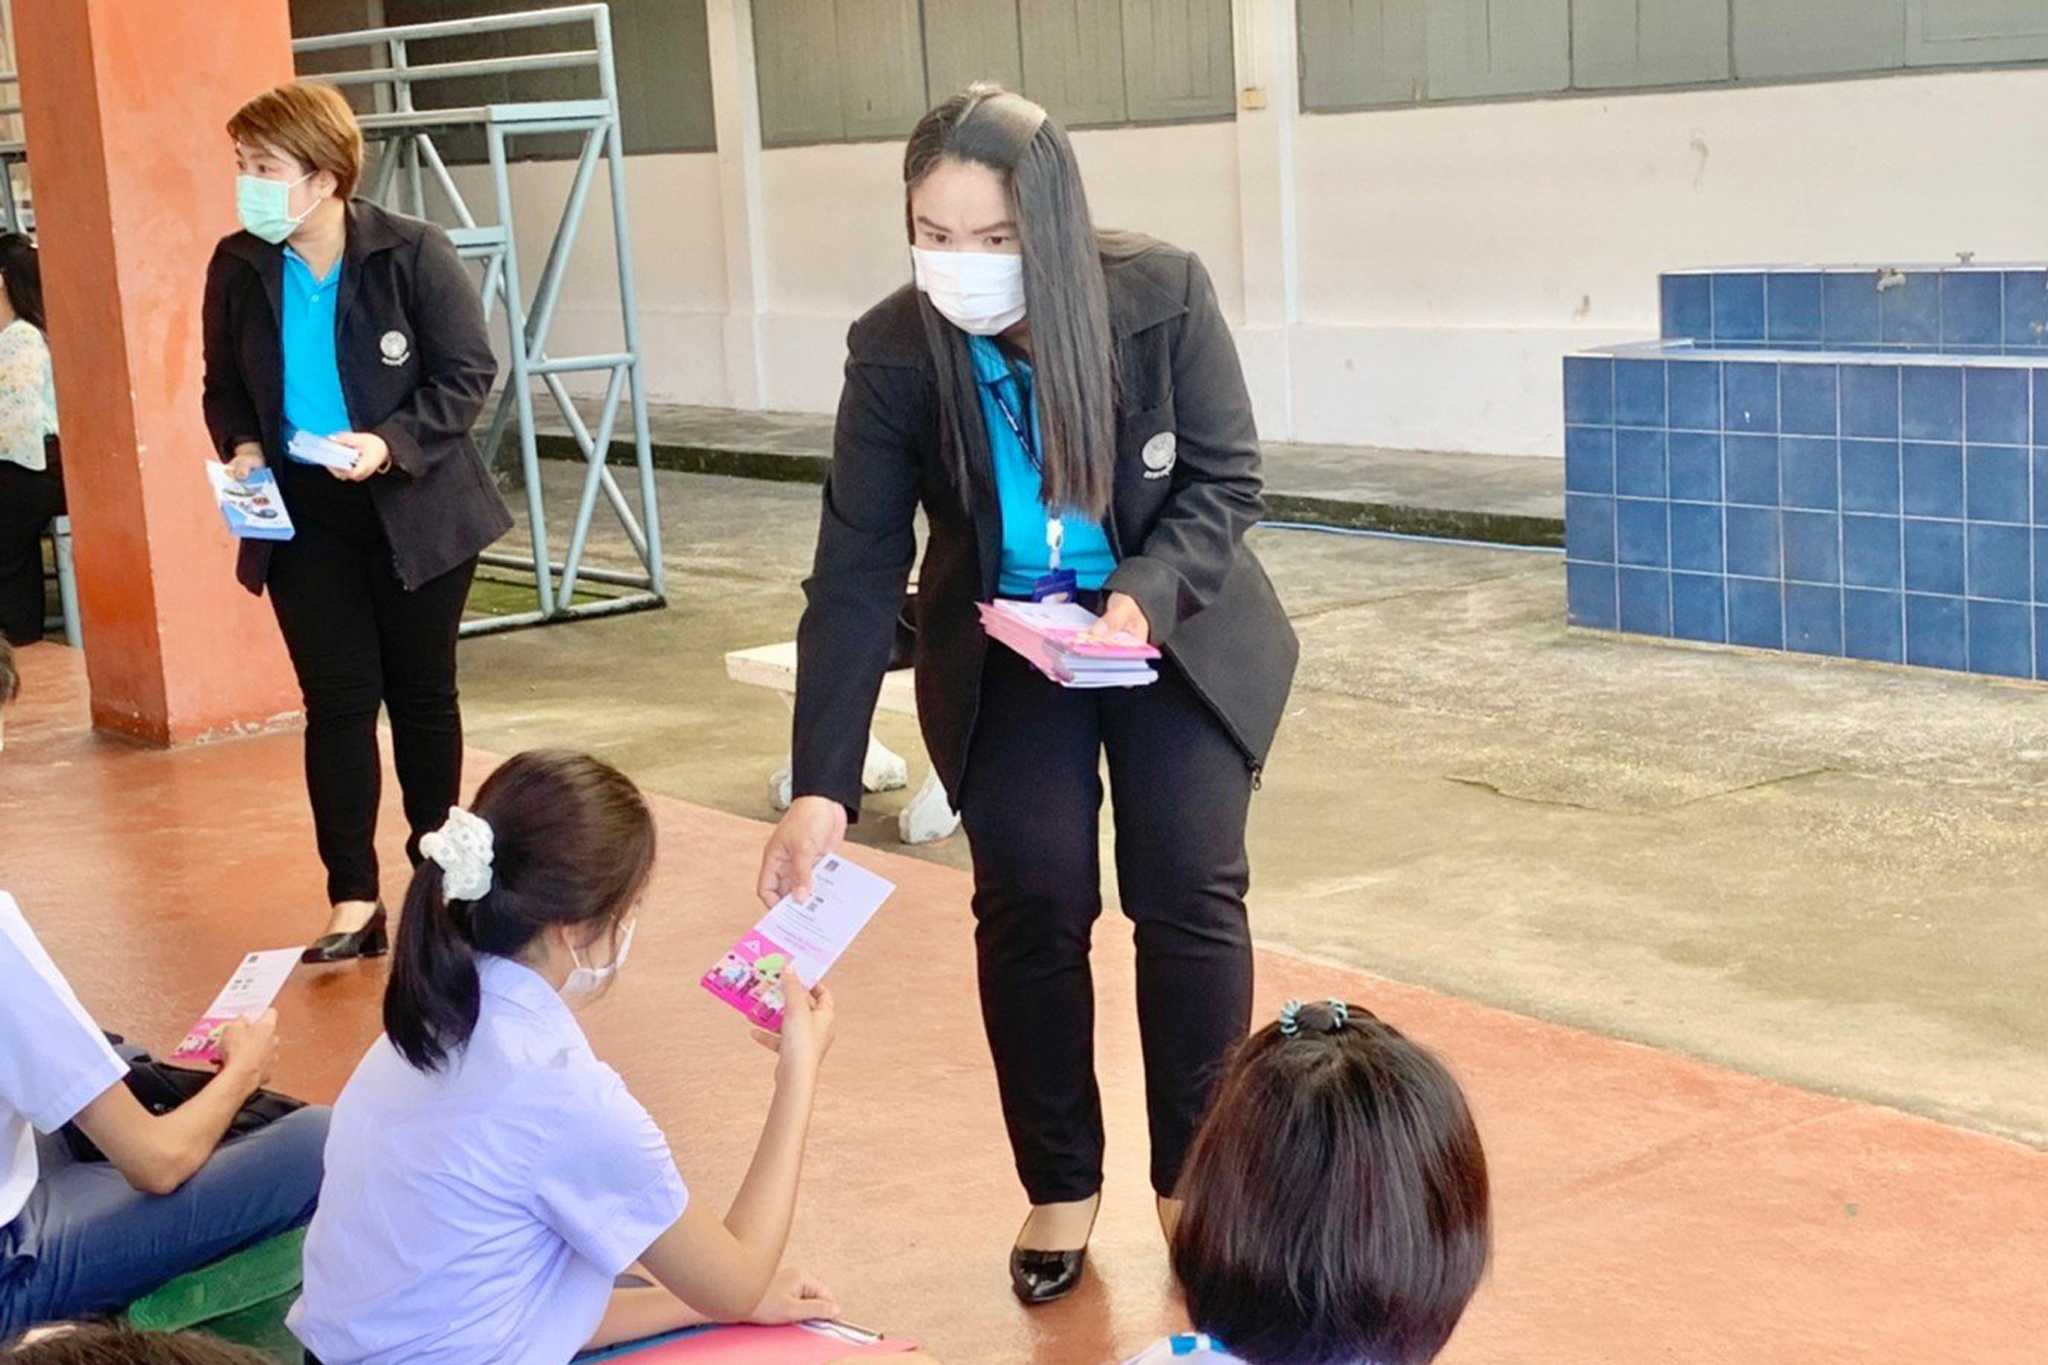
x: 28, y: 499
x: 359, y: 640
x: 1031, y: 804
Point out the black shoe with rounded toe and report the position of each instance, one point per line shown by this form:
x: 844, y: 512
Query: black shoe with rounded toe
x: 1041, y: 1276
x: 372, y: 940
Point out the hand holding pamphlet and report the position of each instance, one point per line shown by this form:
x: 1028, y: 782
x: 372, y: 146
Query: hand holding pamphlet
x: 808, y: 935
x: 307, y: 448
x: 249, y: 991
x: 1050, y: 637
x: 252, y: 506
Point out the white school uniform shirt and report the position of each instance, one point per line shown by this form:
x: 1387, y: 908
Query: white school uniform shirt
x: 479, y: 1213
x: 28, y: 395
x: 54, y: 1061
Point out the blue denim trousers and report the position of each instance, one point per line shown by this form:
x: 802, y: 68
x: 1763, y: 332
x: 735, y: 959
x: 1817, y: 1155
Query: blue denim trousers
x: 87, y: 1242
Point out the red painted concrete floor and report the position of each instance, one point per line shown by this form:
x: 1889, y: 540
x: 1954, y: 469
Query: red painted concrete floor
x: 1650, y: 1208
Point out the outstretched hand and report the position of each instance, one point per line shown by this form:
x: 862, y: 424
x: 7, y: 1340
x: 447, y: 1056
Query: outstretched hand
x: 812, y: 828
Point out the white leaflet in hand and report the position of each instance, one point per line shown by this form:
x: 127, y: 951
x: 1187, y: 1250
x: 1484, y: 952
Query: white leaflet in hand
x: 249, y: 991
x: 807, y: 935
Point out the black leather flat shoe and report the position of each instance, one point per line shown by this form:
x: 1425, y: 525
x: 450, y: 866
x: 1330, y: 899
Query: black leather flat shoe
x: 372, y: 940
x: 1041, y: 1276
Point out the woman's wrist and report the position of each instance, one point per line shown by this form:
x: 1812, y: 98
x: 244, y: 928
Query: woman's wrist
x: 797, y: 1080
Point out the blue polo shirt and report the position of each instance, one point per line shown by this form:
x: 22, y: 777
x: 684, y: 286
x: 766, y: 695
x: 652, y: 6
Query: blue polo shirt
x: 313, y: 399
x: 1020, y: 490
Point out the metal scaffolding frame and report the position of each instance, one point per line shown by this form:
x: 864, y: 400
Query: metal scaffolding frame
x: 409, y: 161
x: 14, y: 215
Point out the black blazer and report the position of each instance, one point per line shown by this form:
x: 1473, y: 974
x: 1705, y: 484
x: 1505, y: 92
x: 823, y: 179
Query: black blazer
x: 1177, y: 525
x: 416, y: 367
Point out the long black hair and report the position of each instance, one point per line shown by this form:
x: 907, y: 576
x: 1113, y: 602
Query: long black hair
x: 23, y: 275
x: 1337, y: 1198
x: 572, y: 844
x: 1073, y: 352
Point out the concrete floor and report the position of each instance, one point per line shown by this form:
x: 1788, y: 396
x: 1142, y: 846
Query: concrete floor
x: 1825, y: 873
x: 1647, y: 1207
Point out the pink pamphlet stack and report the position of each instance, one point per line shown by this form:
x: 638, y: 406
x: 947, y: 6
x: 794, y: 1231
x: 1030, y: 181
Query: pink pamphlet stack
x: 1048, y: 635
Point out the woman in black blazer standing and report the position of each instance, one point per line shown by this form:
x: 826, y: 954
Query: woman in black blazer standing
x: 1045, y: 389
x: 331, y: 316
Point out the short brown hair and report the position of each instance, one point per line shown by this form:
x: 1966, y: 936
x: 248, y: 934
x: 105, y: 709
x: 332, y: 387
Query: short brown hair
x: 94, y: 1344
x: 311, y: 123
x: 1337, y: 1203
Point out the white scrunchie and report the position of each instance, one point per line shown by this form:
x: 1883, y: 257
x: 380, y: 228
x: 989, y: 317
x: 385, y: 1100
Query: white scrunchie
x: 462, y: 846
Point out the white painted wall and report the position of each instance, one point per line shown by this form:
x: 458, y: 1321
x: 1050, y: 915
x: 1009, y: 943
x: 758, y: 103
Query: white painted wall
x: 1448, y: 256
x: 1427, y: 268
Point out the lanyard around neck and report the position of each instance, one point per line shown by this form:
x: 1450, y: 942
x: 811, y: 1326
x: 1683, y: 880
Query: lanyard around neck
x: 1055, y: 529
x: 1019, y: 427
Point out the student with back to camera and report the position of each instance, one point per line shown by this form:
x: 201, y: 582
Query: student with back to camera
x: 489, y: 1178
x: 1337, y: 1203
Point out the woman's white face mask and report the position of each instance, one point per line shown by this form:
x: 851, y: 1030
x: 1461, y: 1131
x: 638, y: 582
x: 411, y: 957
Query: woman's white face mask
x: 585, y: 982
x: 980, y: 292
x: 964, y: 249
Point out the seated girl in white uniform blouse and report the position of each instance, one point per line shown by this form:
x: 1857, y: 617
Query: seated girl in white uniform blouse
x: 1337, y: 1205
x: 489, y: 1178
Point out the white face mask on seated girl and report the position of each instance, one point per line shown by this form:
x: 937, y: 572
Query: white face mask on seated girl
x: 980, y: 292
x: 585, y: 982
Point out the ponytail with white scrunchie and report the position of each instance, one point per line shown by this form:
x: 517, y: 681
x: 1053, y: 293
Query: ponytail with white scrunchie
x: 463, y: 847
x: 552, y: 841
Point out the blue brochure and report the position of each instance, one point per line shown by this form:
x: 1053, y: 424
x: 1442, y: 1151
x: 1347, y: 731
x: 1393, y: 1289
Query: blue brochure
x: 252, y: 507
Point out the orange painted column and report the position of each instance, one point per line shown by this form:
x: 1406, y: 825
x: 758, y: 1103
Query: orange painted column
x: 133, y: 182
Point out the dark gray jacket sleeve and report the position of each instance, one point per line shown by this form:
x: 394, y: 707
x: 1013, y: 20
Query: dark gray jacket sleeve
x: 867, y: 542
x: 1216, y: 492
x: 230, y: 414
x: 455, y: 356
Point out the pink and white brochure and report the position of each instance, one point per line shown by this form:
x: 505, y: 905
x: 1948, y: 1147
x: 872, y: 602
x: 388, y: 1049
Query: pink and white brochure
x: 249, y: 991
x: 808, y: 935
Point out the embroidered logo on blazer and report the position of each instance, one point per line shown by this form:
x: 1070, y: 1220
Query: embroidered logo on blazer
x: 397, y: 350
x: 1159, y: 455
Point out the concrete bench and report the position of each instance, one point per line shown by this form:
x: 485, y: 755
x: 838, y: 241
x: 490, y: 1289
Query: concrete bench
x: 928, y: 818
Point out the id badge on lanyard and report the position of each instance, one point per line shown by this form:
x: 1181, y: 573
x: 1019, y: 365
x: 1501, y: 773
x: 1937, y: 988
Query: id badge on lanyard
x: 1056, y: 584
